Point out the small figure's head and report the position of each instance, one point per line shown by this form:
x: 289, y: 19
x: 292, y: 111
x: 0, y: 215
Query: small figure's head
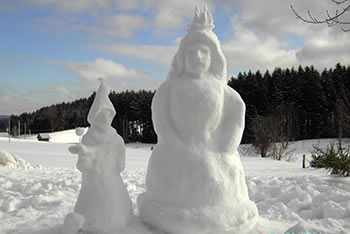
x: 102, y: 107
x: 104, y: 118
x: 199, y: 51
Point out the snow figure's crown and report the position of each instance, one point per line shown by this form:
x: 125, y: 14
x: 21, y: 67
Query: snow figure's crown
x: 202, y: 20
x: 200, y: 31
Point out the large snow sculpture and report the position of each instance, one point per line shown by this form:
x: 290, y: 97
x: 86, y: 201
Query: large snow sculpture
x: 103, y: 203
x: 195, y: 182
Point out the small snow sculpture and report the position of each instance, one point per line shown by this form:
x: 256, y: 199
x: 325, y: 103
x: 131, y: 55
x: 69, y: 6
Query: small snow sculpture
x: 195, y: 181
x: 103, y: 203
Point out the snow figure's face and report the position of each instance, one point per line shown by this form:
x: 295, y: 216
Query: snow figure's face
x: 104, y: 119
x: 197, y: 59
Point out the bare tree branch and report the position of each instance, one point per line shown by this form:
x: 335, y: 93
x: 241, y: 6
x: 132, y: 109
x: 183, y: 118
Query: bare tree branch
x: 331, y: 19
x: 339, y: 2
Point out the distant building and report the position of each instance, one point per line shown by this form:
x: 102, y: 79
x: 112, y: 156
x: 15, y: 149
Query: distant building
x: 43, y: 137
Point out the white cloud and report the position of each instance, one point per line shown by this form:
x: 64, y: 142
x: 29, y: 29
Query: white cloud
x: 61, y: 89
x: 73, y: 6
x: 273, y: 16
x: 122, y: 25
x: 115, y: 25
x: 130, y: 4
x: 325, y: 51
x: 174, y: 13
x: 248, y: 51
x: 117, y: 76
x: 259, y: 30
x: 158, y: 55
x: 14, y: 100
x: 119, y: 15
x: 259, y: 40
x: 276, y: 17
x: 261, y: 35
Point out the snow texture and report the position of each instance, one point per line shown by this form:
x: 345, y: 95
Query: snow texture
x: 35, y: 199
x: 11, y: 160
x: 7, y: 159
x: 195, y: 180
x: 103, y: 203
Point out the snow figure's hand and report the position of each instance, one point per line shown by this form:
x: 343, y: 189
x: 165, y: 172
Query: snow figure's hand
x: 73, y: 149
x: 72, y: 223
x: 77, y: 149
x: 85, y: 159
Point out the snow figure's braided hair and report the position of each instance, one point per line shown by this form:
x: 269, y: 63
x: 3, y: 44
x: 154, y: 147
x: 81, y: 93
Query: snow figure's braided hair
x: 200, y: 31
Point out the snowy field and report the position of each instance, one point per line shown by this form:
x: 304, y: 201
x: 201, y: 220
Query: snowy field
x: 40, y: 189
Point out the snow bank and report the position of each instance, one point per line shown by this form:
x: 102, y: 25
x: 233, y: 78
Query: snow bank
x: 67, y: 136
x: 12, y: 160
x: 35, y: 200
x: 311, y: 200
x: 7, y: 159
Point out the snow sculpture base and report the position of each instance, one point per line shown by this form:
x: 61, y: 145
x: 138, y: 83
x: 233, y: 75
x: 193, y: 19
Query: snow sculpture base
x: 104, y: 204
x: 196, y: 192
x: 238, y: 218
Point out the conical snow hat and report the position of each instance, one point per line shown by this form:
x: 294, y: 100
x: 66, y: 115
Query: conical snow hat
x: 101, y: 103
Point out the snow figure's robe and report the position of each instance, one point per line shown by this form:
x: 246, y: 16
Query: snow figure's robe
x: 195, y: 181
x: 103, y: 203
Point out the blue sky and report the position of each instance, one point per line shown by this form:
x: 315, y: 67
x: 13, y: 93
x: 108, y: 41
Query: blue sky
x: 54, y: 50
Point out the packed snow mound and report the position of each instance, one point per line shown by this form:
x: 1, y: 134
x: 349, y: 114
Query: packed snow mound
x: 7, y: 159
x: 307, y: 201
x: 11, y: 160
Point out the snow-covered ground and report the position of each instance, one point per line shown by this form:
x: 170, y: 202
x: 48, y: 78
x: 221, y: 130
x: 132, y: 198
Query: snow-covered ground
x: 37, y: 194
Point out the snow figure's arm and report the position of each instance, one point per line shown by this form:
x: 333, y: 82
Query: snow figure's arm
x: 162, y: 121
x: 80, y: 149
x: 85, y: 156
x: 114, y: 152
x: 230, y: 130
x: 121, y: 158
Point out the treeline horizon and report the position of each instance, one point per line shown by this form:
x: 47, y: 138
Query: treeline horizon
x: 309, y: 103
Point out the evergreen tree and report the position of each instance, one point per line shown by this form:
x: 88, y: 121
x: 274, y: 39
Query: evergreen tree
x: 310, y: 105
